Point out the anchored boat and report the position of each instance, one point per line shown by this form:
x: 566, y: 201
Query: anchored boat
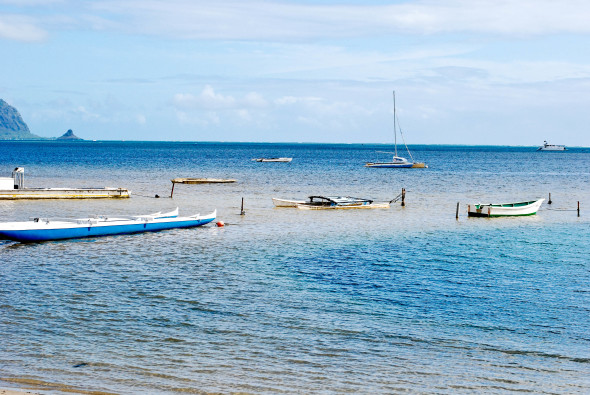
x: 397, y: 161
x: 330, y: 202
x: 551, y: 147
x: 272, y: 159
x: 44, y: 229
x: 504, y: 209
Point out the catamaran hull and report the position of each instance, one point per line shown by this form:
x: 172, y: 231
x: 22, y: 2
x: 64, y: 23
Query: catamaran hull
x: 490, y: 210
x: 56, y: 230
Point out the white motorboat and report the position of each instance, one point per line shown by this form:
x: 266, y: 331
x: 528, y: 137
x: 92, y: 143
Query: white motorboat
x: 551, y: 147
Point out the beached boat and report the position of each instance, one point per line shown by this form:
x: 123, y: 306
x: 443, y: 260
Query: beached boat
x: 330, y: 202
x: 551, y: 147
x: 44, y: 229
x: 273, y: 159
x: 504, y: 209
x: 397, y: 161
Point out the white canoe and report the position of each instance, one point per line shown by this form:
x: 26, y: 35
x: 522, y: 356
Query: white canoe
x: 504, y: 209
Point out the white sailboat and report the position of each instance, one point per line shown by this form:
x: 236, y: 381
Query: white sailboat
x: 397, y: 161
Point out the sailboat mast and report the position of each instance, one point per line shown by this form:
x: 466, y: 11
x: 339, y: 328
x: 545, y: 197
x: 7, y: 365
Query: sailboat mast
x: 394, y: 125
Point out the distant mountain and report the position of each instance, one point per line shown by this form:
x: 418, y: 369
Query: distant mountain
x: 69, y: 135
x: 12, y: 126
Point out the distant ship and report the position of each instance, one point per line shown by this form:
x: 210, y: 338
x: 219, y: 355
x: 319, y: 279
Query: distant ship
x: 551, y: 147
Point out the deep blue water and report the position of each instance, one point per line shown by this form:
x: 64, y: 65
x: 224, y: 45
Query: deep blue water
x: 407, y: 299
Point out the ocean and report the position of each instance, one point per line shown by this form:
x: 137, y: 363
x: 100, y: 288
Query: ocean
x: 407, y: 299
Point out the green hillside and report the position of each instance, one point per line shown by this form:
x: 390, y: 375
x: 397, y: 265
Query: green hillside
x: 12, y: 126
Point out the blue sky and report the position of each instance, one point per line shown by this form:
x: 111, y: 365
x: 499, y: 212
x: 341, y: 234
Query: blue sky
x: 502, y: 72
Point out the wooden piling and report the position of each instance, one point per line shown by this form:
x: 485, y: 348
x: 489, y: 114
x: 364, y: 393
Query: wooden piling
x: 578, y: 208
x: 403, y: 197
x: 242, y: 212
x: 457, y: 211
x: 549, y: 202
x: 172, y: 192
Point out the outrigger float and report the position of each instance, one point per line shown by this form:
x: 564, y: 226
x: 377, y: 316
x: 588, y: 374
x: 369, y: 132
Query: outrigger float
x: 46, y: 229
x: 13, y: 188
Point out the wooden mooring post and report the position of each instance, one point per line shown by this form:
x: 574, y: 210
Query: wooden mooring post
x: 549, y: 201
x: 172, y: 192
x: 403, y: 197
x: 457, y: 211
x: 242, y: 212
x: 578, y: 208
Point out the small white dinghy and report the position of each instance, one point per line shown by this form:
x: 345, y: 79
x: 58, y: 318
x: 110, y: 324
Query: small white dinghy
x: 504, y: 209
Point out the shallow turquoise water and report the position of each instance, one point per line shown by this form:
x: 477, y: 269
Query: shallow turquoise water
x: 379, y: 301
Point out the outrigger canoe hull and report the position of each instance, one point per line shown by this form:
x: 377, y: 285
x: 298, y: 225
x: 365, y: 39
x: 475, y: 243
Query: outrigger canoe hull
x: 45, y: 230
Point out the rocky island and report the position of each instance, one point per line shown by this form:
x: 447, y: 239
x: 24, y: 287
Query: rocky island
x: 69, y: 135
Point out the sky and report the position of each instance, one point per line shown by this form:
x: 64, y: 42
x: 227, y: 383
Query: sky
x: 476, y: 72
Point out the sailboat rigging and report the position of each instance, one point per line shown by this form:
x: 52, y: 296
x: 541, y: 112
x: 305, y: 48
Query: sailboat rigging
x: 397, y: 161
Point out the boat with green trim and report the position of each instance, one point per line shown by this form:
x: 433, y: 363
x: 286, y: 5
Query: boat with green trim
x: 504, y: 209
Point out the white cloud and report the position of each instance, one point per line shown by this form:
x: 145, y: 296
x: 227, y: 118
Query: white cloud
x: 283, y: 20
x: 20, y: 28
x: 208, y: 99
x: 141, y: 119
x: 271, y: 21
x: 291, y: 100
x: 254, y: 99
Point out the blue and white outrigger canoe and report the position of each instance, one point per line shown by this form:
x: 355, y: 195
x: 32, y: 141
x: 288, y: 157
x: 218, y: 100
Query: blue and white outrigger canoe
x: 44, y: 229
